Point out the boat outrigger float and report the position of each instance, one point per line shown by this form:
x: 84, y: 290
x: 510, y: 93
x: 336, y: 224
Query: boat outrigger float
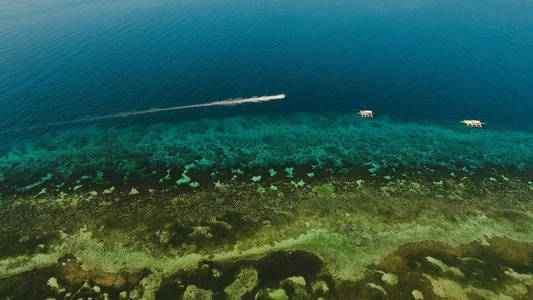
x: 473, y: 123
x: 366, y: 113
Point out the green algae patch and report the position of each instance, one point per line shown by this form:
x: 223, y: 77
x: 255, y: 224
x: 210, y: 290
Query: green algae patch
x: 245, y: 282
x: 67, y: 279
x: 274, y: 273
x: 483, y: 266
x: 342, y: 232
x: 194, y: 293
x: 345, y: 260
x: 278, y: 294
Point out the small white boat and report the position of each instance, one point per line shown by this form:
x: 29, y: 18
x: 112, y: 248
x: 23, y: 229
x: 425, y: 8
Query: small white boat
x: 473, y: 123
x: 366, y: 113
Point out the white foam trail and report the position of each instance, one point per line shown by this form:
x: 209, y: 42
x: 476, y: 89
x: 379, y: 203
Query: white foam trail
x: 216, y: 103
x: 152, y: 110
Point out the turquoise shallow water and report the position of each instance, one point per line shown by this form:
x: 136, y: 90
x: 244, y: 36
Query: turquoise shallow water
x: 422, y: 66
x: 305, y: 142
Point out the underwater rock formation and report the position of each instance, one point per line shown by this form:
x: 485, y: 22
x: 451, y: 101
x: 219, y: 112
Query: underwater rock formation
x: 238, y: 239
x: 68, y: 280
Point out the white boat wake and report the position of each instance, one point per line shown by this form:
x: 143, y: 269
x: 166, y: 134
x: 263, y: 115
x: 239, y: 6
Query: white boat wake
x: 216, y: 103
x: 89, y: 119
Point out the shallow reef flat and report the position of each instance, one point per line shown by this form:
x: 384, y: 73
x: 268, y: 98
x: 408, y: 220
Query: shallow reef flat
x: 75, y: 158
x: 333, y: 237
x: 268, y: 207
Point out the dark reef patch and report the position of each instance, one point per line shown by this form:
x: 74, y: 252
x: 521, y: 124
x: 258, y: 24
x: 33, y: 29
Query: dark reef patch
x: 296, y: 272
x: 67, y: 280
x: 498, y: 268
x: 495, y: 268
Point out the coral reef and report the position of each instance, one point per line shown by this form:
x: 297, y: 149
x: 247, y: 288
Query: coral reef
x: 311, y: 144
x: 322, y: 239
x: 226, y: 212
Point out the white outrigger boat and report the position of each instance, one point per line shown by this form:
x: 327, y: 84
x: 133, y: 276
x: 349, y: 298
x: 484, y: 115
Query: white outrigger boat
x: 473, y: 123
x: 366, y: 113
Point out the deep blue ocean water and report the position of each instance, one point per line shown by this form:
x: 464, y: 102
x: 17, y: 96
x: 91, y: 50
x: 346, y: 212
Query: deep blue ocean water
x: 411, y: 61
